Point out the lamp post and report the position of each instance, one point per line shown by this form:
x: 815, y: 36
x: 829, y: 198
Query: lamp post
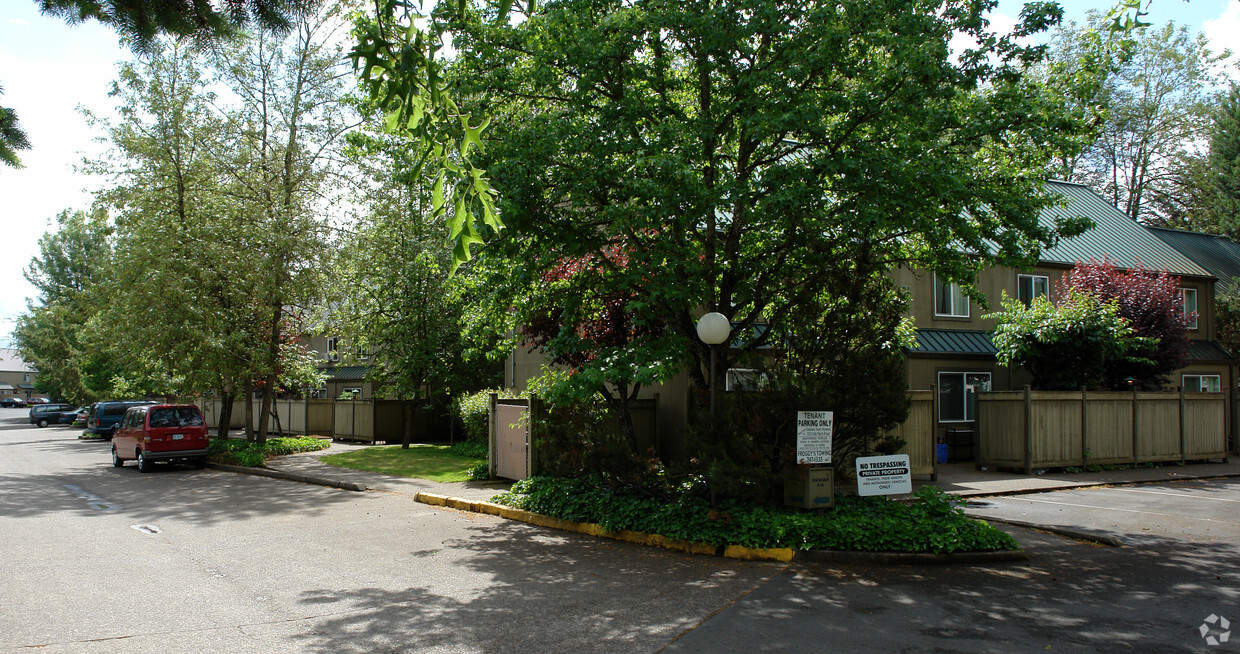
x: 713, y: 328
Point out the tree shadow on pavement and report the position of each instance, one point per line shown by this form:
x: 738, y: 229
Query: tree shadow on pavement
x: 1069, y: 597
x: 547, y: 592
x: 176, y: 492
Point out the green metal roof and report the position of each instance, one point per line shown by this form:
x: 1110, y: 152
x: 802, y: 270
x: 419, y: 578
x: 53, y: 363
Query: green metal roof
x: 1216, y: 254
x: 346, y: 373
x: 952, y: 341
x: 1207, y: 351
x: 1114, y: 235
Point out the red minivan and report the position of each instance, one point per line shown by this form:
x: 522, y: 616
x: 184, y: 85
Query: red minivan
x: 174, y: 433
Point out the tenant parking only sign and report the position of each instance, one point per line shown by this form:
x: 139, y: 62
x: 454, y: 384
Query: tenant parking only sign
x: 884, y: 475
x: 814, y: 437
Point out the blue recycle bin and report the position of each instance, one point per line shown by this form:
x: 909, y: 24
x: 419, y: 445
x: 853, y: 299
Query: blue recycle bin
x: 940, y: 453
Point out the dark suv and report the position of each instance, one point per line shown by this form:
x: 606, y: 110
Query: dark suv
x: 103, y: 416
x: 45, y: 414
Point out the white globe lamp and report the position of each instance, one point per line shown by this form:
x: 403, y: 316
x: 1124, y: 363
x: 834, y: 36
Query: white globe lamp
x: 714, y: 328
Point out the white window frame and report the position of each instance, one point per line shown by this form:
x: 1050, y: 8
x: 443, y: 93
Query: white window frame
x: 955, y: 294
x: 745, y: 379
x: 1200, y: 385
x: 1033, y: 288
x: 1190, y: 317
x: 333, y: 348
x: 968, y: 392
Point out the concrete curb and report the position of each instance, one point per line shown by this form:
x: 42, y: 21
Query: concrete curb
x: 780, y: 554
x: 1099, y: 537
x: 290, y: 476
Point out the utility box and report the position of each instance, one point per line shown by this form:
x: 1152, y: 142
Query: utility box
x: 811, y: 488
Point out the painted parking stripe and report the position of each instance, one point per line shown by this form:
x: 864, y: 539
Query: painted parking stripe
x: 1111, y: 508
x: 92, y: 500
x: 1185, y: 495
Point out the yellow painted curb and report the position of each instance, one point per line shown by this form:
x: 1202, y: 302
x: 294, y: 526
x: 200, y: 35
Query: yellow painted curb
x: 589, y: 529
x: 784, y: 554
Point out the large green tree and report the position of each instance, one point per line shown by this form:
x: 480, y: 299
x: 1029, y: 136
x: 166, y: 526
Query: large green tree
x: 1157, y: 87
x: 59, y: 333
x: 180, y: 298
x: 392, y: 299
x: 12, y: 137
x: 742, y: 154
x: 1222, y: 169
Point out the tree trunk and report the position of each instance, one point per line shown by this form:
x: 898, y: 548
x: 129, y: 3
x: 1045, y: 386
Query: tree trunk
x: 249, y: 411
x: 226, y: 408
x: 404, y: 444
x: 275, y: 415
x: 265, y: 408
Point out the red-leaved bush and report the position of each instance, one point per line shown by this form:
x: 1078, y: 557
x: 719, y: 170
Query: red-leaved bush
x: 1152, y: 304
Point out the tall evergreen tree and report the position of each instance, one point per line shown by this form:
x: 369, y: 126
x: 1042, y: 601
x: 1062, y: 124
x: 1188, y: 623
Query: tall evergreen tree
x: 1224, y: 167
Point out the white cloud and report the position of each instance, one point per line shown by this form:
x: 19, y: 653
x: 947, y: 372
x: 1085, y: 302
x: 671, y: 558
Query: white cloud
x: 1223, y: 31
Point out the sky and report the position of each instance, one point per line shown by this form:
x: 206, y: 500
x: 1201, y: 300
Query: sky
x: 49, y: 69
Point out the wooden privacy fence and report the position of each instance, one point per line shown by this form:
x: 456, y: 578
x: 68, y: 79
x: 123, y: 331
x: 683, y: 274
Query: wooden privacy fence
x: 1050, y: 429
x: 514, y: 448
x: 918, y: 433
x: 367, y: 421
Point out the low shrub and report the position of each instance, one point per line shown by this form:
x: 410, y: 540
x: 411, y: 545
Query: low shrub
x: 480, y: 472
x: 471, y: 409
x: 252, y: 455
x: 474, y: 448
x: 932, y: 522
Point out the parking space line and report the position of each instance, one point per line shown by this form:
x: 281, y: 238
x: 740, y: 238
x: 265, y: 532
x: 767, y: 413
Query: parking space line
x: 1111, y: 508
x: 1189, y: 496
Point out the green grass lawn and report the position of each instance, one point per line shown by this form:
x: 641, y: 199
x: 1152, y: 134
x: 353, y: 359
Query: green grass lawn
x: 433, y: 462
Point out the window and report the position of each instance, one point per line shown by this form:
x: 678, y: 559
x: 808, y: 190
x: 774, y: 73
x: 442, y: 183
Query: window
x: 958, y: 395
x: 949, y: 299
x: 1202, y: 383
x: 362, y: 353
x: 745, y: 379
x: 333, y: 352
x: 1188, y: 297
x: 1031, y: 287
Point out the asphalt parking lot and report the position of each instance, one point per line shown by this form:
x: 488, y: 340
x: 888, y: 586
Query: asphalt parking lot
x: 1170, y: 514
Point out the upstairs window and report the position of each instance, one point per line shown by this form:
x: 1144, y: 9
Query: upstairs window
x: 949, y: 299
x: 1188, y: 298
x: 1032, y: 287
x: 333, y: 351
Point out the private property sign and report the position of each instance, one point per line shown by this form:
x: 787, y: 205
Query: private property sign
x: 814, y: 436
x: 884, y: 475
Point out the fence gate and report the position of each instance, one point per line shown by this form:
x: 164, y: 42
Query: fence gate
x: 511, y: 452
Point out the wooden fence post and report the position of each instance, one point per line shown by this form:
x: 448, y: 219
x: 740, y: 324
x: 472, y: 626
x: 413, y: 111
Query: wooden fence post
x: 658, y: 441
x: 492, y: 400
x: 1182, y: 444
x: 1084, y: 427
x: 531, y: 457
x: 934, y: 444
x: 1136, y: 427
x: 1028, y: 430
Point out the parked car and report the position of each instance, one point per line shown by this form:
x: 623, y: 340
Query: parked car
x: 38, y: 400
x: 46, y: 414
x: 104, y: 416
x: 72, y: 416
x: 12, y: 401
x: 174, y: 433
